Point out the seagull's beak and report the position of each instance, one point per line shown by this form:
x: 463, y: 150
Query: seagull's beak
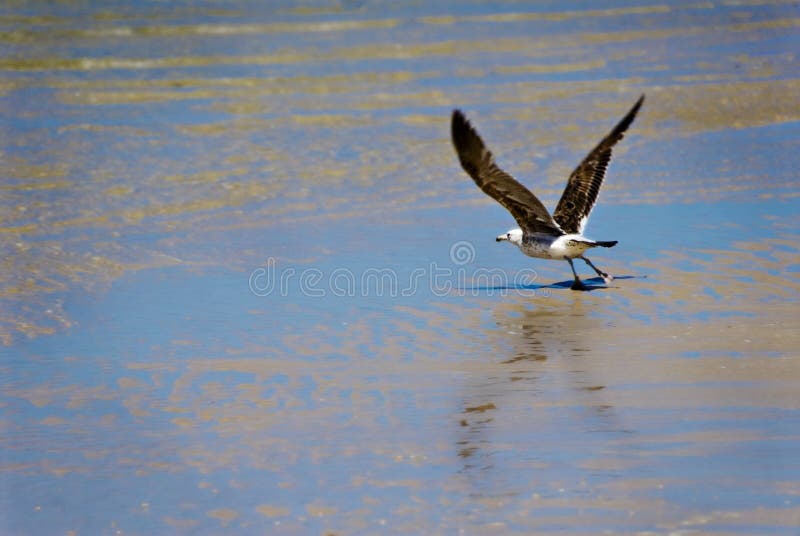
x: 501, y: 238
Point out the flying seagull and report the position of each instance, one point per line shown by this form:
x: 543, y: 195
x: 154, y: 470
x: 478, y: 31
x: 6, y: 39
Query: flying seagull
x: 560, y: 235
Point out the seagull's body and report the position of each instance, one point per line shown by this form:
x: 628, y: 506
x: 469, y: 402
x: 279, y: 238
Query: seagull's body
x: 558, y: 236
x: 567, y: 246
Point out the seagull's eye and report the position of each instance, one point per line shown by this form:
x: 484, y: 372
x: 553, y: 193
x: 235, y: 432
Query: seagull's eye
x: 508, y: 235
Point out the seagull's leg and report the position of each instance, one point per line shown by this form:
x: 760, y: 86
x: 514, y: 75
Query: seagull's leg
x: 577, y: 284
x: 607, y: 278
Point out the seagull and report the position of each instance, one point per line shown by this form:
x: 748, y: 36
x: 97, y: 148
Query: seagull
x: 558, y: 236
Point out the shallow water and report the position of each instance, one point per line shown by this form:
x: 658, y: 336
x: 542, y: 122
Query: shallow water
x: 247, y: 289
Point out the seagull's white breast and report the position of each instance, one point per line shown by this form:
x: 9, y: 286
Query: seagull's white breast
x: 537, y: 246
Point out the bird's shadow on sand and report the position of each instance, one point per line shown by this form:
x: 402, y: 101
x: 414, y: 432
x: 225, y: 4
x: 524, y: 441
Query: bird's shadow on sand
x: 589, y: 284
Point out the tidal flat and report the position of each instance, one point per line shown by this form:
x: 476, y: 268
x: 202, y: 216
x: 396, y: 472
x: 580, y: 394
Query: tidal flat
x: 246, y: 287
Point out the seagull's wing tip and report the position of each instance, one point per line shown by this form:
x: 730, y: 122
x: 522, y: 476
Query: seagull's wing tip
x: 458, y: 116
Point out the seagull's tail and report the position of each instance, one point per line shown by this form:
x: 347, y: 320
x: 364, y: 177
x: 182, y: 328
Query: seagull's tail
x: 595, y: 243
x: 609, y: 244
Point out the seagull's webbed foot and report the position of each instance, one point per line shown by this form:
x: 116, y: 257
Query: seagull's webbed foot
x: 606, y: 277
x: 577, y: 284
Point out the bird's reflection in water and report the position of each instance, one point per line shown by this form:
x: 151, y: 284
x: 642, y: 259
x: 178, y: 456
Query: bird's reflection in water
x: 535, y: 398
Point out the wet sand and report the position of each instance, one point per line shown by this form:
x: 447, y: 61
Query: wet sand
x: 247, y: 289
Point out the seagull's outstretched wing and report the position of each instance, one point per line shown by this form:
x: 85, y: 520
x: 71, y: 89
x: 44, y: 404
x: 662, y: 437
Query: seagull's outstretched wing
x: 478, y: 162
x: 583, y: 185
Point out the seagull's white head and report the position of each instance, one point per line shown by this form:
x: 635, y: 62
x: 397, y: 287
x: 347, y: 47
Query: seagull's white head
x: 514, y: 236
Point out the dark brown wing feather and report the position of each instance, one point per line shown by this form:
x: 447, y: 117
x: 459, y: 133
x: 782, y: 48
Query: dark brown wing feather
x: 584, y: 183
x: 478, y: 162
